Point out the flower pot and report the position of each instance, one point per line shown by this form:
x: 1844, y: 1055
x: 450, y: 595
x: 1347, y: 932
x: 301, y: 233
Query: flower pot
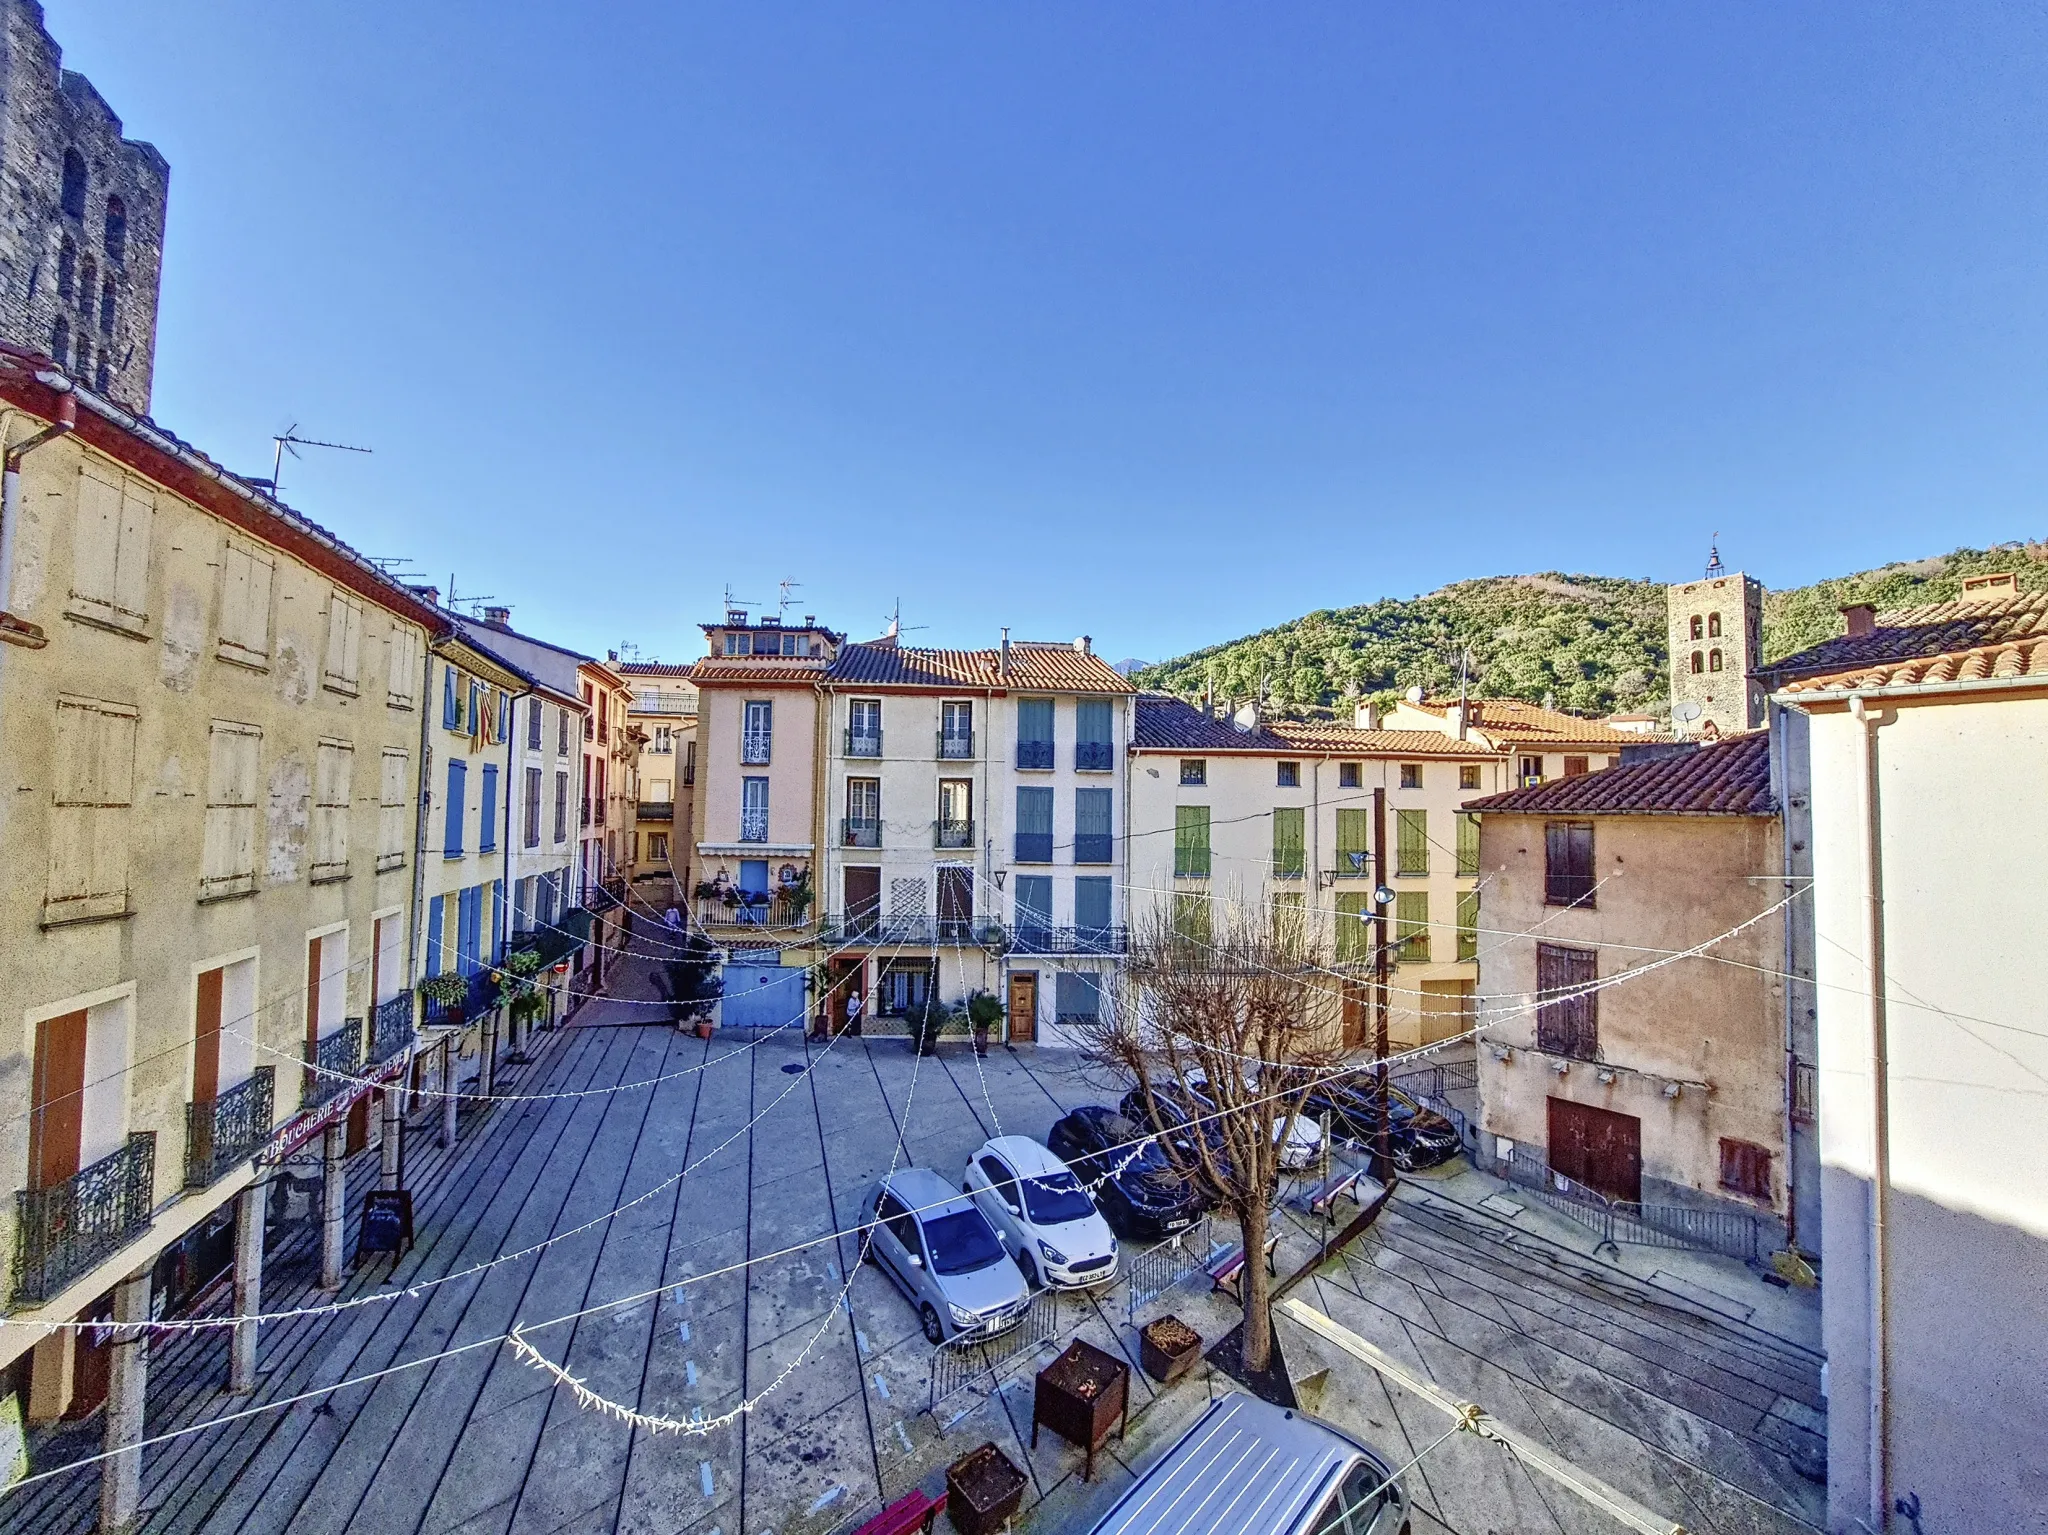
x: 1168, y: 1349
x: 704, y: 1028
x: 981, y: 1039
x: 983, y: 1490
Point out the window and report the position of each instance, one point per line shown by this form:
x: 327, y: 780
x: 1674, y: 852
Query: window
x: 1191, y: 841
x: 863, y: 812
x: 1699, y: 663
x: 115, y: 239
x: 1034, y: 825
x: 1191, y: 919
x: 739, y: 644
x: 1034, y: 733
x: 245, y: 605
x: 88, y: 284
x: 487, y: 811
x: 1568, y: 863
x: 1287, y: 775
x: 1530, y: 771
x: 753, y: 810
x: 60, y: 341
x: 1353, y: 1508
x: 1411, y: 775
x: 1034, y: 906
x: 229, y: 866
x: 1077, y: 997
x: 1354, y: 843
x: 401, y: 667
x: 1347, y: 775
x: 1092, y: 908
x: 1575, y: 767
x: 394, y: 832
x: 657, y: 847
x: 531, y: 822
x: 1290, y: 920
x: 562, y: 800
x: 1567, y: 1008
x: 91, y: 796
x: 1713, y: 626
x: 1698, y: 627
x: 106, y: 312
x: 562, y: 732
x: 1411, y: 927
x: 110, y: 550
x: 1468, y: 775
x: 71, y: 190
x: 757, y: 734
x: 344, y: 644
x: 1746, y: 1170
x: 1411, y: 841
x: 458, y: 785
x: 604, y: 718
x: 1468, y: 924
x: 864, y: 727
x: 333, y: 775
x: 956, y: 730
x: 1713, y: 660
x: 1194, y: 772
x: 534, y: 724
x: 1468, y: 844
x: 102, y: 374
x: 664, y: 742
x: 1094, y: 838
x: 67, y: 275
x: 1094, y: 736
x: 1354, y: 928
x: 1289, y: 842
x: 501, y: 715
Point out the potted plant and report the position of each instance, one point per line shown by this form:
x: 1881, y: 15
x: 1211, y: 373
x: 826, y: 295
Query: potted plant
x: 926, y: 1024
x: 796, y: 896
x: 1168, y: 1349
x: 449, y: 990
x: 985, y: 1014
x: 984, y: 1489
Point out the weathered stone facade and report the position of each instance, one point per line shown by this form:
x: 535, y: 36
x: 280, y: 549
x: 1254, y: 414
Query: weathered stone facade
x: 1717, y: 645
x: 81, y: 218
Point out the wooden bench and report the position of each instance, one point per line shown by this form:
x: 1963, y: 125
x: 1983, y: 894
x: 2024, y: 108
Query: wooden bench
x: 912, y: 1511
x: 1226, y: 1268
x: 1339, y: 1185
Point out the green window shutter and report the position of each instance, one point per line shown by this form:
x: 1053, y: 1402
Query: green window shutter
x: 1468, y: 924
x: 1411, y: 841
x: 1290, y: 925
x: 1354, y: 928
x: 1354, y: 844
x: 1191, y: 841
x: 1411, y: 926
x: 1191, y: 919
x: 1468, y: 843
x: 1288, y: 841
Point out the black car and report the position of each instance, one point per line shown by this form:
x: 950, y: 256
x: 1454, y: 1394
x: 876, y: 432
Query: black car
x: 1144, y: 1197
x: 1181, y: 1117
x: 1417, y: 1137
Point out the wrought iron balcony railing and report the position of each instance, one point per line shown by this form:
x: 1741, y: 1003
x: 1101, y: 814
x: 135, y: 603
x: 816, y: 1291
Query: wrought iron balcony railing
x: 1034, y: 754
x: 226, y: 1132
x: 1034, y: 847
x: 873, y: 927
x: 331, y: 1063
x: 1037, y: 938
x: 391, y: 1028
x: 860, y: 831
x: 69, y: 1228
x: 956, y: 746
x: 657, y: 810
x: 1094, y: 847
x: 753, y: 908
x: 864, y: 743
x: 953, y: 833
x: 755, y: 746
x: 754, y: 824
x: 586, y: 810
x: 1094, y: 756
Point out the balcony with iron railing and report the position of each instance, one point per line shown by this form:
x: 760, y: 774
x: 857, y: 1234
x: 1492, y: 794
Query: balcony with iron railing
x: 1043, y: 938
x: 872, y: 927
x: 947, y: 833
x: 657, y: 810
x: 331, y: 1064
x: 956, y: 746
x: 1094, y: 756
x: 860, y: 831
x: 391, y: 1028
x: 864, y: 743
x: 1035, y: 755
x: 1034, y: 847
x: 754, y: 824
x: 752, y: 908
x: 754, y: 747
x: 226, y: 1132
x: 664, y: 704
x: 586, y: 810
x: 70, y: 1228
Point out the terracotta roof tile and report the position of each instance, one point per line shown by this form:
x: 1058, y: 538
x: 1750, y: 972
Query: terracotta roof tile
x: 1916, y: 634
x: 1033, y: 667
x: 1730, y: 777
x: 1525, y: 724
x: 2012, y: 661
x: 746, y: 669
x: 1298, y: 736
x: 1170, y: 723
x: 657, y: 668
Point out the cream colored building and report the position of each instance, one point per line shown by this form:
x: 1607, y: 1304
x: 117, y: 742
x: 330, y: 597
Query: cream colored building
x: 214, y: 715
x: 662, y: 714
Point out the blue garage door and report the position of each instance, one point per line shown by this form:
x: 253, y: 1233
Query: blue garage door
x: 763, y: 996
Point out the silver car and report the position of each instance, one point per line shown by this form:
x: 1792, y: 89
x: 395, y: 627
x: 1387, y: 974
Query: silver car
x: 945, y: 1255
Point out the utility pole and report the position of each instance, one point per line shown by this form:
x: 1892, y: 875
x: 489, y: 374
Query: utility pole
x: 1381, y: 953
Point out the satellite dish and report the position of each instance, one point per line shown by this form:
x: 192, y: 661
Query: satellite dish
x: 1686, y: 712
x: 1414, y: 694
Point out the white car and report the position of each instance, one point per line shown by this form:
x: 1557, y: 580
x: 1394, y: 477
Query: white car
x: 1046, y: 1218
x: 1304, y: 1147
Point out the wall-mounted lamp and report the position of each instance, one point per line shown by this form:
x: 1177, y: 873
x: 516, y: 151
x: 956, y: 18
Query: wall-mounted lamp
x: 1671, y: 1089
x: 1607, y: 1077
x: 1503, y: 1054
x: 1561, y: 1067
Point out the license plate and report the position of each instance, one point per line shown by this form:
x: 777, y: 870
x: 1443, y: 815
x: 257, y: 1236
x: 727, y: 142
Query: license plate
x: 1178, y: 1225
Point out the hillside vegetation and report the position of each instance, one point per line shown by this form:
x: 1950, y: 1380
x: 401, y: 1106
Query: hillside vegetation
x: 1591, y: 644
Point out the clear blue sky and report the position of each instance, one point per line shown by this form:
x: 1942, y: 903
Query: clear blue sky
x: 1163, y: 322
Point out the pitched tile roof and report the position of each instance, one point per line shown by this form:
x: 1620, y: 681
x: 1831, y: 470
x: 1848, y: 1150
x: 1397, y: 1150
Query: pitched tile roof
x: 1033, y: 667
x: 748, y: 669
x: 1914, y: 634
x: 656, y: 668
x: 1300, y: 736
x: 1170, y: 723
x: 2013, y: 661
x: 1731, y: 777
x: 1516, y: 723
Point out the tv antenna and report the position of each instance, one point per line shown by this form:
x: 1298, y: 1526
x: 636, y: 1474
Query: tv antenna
x: 783, y: 599
x: 896, y: 624
x: 475, y: 604
x: 289, y: 441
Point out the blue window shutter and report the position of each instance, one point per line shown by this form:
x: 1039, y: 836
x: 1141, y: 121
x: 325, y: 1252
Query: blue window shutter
x: 496, y: 897
x: 487, y: 810
x: 458, y: 773
x: 436, y: 960
x: 448, y: 716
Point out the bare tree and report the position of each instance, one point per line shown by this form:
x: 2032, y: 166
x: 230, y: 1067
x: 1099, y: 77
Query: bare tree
x: 1224, y: 1004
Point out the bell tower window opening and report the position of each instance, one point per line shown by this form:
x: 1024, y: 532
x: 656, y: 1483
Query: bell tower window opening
x: 1699, y: 663
x: 1713, y: 626
x: 60, y: 341
x: 71, y: 196
x: 67, y: 269
x: 1697, y: 631
x: 1713, y: 660
x: 115, y: 243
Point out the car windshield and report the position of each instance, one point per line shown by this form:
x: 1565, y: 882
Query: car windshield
x: 1056, y: 1198
x: 961, y: 1243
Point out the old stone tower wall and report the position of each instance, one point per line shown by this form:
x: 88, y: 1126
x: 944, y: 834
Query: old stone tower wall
x: 81, y: 219
x: 1716, y: 633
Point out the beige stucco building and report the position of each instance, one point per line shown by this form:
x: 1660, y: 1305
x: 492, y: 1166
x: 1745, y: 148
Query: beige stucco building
x: 661, y: 712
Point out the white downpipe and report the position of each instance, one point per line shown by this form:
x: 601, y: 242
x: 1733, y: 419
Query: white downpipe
x: 1880, y: 1129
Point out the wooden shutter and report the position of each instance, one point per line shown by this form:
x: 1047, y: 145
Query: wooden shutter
x: 57, y: 1120
x: 110, y: 548
x: 1468, y: 843
x: 344, y: 642
x: 206, y: 1037
x: 333, y: 786
x: 393, y: 834
x: 458, y: 782
x: 1411, y: 841
x: 1568, y: 863
x: 1191, y: 841
x: 451, y: 700
x: 1567, y: 1010
x: 1746, y: 1169
x: 245, y: 604
x: 402, y: 667
x: 1468, y: 924
x: 1354, y: 843
x: 437, y: 959
x: 487, y: 810
x: 229, y: 858
x: 1411, y: 926
x: 1289, y: 854
x: 95, y: 767
x: 1354, y: 928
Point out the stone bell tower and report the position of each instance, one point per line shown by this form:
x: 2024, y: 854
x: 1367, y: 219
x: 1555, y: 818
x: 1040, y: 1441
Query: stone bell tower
x: 1716, y: 635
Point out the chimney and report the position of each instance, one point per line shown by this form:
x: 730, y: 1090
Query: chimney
x: 1861, y: 619
x: 1998, y: 583
x: 1086, y: 645
x: 612, y: 656
x: 498, y: 618
x: 1454, y: 721
x: 1004, y: 666
x: 430, y: 595
x: 1365, y: 715
x: 810, y: 620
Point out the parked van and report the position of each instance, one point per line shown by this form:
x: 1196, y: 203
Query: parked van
x: 1250, y: 1468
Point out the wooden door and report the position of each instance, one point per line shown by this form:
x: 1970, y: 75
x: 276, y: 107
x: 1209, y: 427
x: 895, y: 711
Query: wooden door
x: 1597, y: 1147
x: 92, y: 1364
x: 206, y: 1039
x: 844, y: 978
x: 1024, y: 1005
x: 1357, y: 1014
x: 57, y: 1124
x: 863, y: 898
x: 312, y: 996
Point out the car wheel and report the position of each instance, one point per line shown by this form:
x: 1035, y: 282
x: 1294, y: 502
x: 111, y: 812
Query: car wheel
x: 1029, y: 1270
x: 934, y: 1329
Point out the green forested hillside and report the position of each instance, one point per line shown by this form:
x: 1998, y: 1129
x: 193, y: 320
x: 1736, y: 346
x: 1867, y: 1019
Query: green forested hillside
x: 1593, y: 644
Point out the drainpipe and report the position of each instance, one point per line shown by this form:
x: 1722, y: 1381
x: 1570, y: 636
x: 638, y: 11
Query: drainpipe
x: 10, y: 480
x: 1880, y: 1128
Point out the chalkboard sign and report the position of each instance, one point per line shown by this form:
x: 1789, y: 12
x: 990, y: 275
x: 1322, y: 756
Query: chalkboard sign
x: 387, y: 1222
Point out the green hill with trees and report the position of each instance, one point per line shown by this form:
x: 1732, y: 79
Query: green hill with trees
x: 1591, y: 644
